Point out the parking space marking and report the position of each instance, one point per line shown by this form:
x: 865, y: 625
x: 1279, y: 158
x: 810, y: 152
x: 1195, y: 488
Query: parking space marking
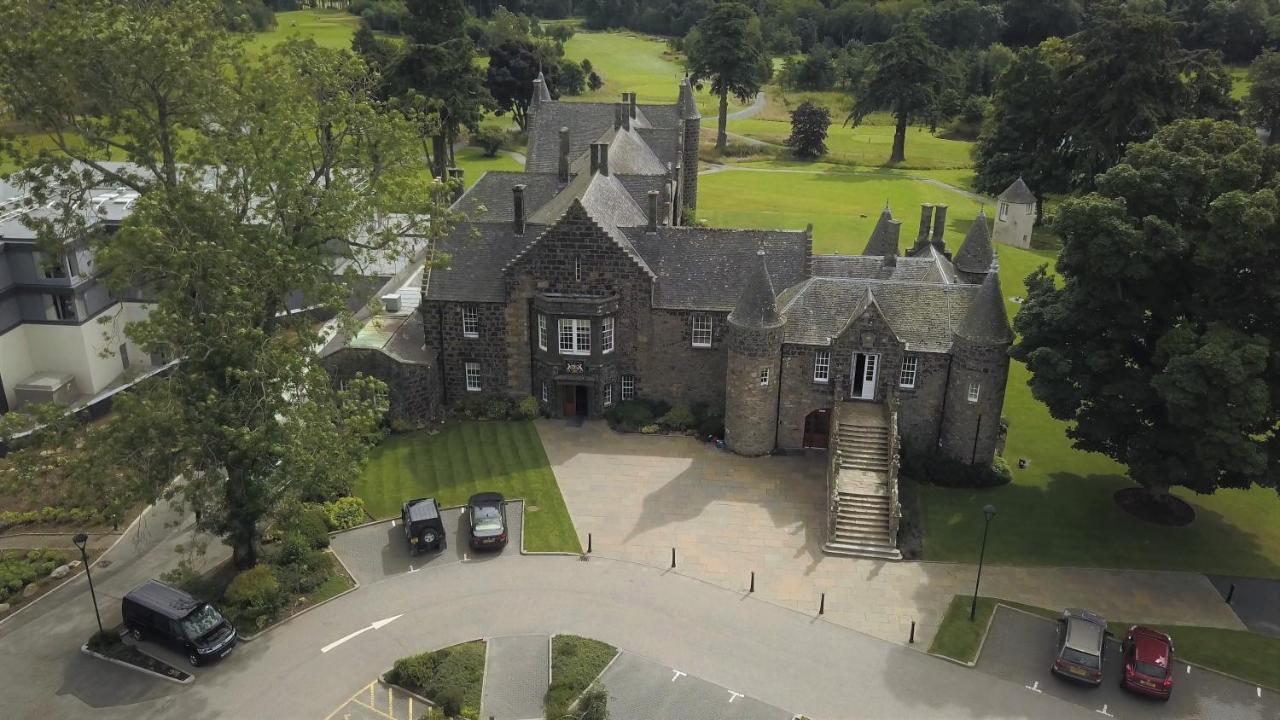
x: 1259, y: 692
x: 734, y: 695
x: 1034, y: 686
x: 1103, y: 711
x: 677, y: 674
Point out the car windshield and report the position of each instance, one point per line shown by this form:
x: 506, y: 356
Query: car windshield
x: 487, y: 518
x: 201, y: 621
x: 1150, y: 670
x: 1076, y: 657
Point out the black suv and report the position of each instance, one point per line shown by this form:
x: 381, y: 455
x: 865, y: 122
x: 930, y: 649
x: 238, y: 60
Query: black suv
x: 193, y: 628
x: 422, y: 525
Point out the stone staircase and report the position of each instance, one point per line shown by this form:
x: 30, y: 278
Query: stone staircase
x: 863, y: 521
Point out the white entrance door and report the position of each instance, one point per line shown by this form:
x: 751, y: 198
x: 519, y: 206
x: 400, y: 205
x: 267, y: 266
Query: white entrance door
x: 865, y: 369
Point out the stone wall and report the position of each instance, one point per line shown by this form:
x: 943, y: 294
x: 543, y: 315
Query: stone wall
x: 751, y: 410
x: 970, y: 429
x: 678, y: 372
x: 689, y: 166
x: 413, y: 390
x: 800, y: 394
x: 870, y: 333
x: 442, y: 323
x: 920, y: 408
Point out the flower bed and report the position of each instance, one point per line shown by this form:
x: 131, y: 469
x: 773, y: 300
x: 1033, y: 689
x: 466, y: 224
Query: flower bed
x: 450, y: 677
x: 19, y: 568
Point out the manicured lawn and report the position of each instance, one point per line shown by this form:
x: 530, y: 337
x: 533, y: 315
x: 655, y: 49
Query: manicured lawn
x: 329, y: 28
x: 1246, y: 655
x: 575, y: 663
x: 1239, y: 81
x: 869, y: 144
x: 628, y: 62
x: 474, y: 164
x: 449, y: 676
x: 466, y: 458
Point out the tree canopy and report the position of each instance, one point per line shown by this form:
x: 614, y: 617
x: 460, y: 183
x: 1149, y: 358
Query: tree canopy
x: 904, y: 76
x: 513, y: 66
x: 1159, y: 342
x: 1262, y: 104
x: 727, y: 51
x: 809, y: 125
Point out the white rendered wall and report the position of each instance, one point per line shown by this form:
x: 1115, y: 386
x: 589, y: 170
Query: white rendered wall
x: 1016, y: 228
x: 15, y: 360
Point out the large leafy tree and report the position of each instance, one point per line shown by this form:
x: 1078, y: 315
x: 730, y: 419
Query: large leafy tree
x: 513, y: 66
x: 1030, y: 22
x: 726, y: 49
x: 1159, y: 342
x: 256, y: 182
x: 903, y: 75
x: 1262, y: 104
x: 809, y: 125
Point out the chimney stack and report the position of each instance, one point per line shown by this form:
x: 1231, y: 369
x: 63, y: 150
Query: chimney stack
x: 653, y: 211
x: 939, y: 227
x: 594, y: 149
x: 617, y: 116
x: 602, y: 158
x: 623, y: 112
x: 564, y: 156
x: 926, y: 215
x: 633, y: 105
x: 517, y: 205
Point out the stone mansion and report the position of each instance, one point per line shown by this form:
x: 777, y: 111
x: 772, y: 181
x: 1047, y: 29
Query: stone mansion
x: 581, y: 283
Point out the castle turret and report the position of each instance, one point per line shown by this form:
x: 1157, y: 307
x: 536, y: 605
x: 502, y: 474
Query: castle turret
x: 979, y: 368
x: 884, y: 239
x: 539, y: 95
x: 1015, y: 215
x: 691, y: 131
x: 976, y: 259
x: 753, y: 337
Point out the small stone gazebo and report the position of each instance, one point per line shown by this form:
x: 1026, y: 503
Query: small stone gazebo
x: 1015, y: 215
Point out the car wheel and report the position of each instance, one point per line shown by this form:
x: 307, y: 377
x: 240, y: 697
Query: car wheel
x: 136, y: 633
x: 194, y: 659
x: 428, y: 538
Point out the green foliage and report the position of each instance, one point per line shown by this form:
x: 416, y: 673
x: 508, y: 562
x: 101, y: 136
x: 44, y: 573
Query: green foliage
x: 809, y: 125
x: 934, y: 468
x: 1262, y: 103
x: 904, y: 76
x: 679, y: 418
x: 18, y: 568
x: 632, y: 415
x: 450, y: 677
x: 513, y: 66
x: 1161, y: 361
x: 254, y: 597
x: 345, y: 513
x: 711, y: 425
x: 594, y: 704
x: 815, y: 71
x: 575, y: 663
x: 490, y: 138
x: 573, y: 80
x: 50, y: 515
x: 310, y: 522
x: 248, y: 15
x: 726, y: 50
x: 528, y: 408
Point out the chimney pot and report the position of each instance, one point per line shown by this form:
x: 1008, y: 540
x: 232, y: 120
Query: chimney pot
x: 564, y: 155
x: 926, y: 215
x: 653, y: 210
x: 633, y: 105
x: 517, y: 204
x: 939, y: 227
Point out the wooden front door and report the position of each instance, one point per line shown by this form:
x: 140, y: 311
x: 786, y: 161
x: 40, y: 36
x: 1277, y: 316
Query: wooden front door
x: 570, y: 395
x: 817, y: 428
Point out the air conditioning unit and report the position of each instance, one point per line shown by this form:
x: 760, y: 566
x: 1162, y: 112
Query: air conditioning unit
x: 391, y: 303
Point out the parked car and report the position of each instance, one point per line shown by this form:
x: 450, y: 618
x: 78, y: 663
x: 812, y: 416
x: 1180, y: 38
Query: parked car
x: 423, y: 526
x: 487, y: 517
x: 1078, y: 654
x: 196, y: 629
x: 1148, y: 657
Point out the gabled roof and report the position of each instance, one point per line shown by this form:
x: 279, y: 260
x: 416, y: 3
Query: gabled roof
x: 588, y: 123
x: 975, y: 254
x: 867, y: 304
x: 1019, y: 193
x: 873, y: 267
x: 493, y: 192
x: 884, y: 238
x: 987, y: 321
x: 924, y: 317
x: 604, y: 203
x: 629, y: 154
x: 757, y: 306
x: 478, y: 251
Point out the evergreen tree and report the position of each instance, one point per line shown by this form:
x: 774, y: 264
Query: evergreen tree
x: 809, y: 125
x: 904, y: 76
x: 1262, y: 104
x: 1152, y: 344
x: 726, y: 49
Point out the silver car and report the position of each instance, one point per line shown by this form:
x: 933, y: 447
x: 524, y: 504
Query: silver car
x: 1082, y: 635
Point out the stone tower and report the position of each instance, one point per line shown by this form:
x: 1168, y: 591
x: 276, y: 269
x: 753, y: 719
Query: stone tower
x: 979, y: 368
x: 691, y: 128
x: 976, y: 259
x: 1015, y: 215
x: 753, y: 337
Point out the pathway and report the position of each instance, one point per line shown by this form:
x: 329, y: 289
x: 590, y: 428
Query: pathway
x: 516, y: 674
x: 727, y: 516
x: 751, y: 110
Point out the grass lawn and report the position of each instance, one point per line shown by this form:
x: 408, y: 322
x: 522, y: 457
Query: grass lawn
x: 329, y: 28
x: 869, y: 144
x: 474, y: 164
x: 1239, y: 81
x: 575, y: 663
x: 449, y: 676
x: 466, y: 458
x: 1246, y: 655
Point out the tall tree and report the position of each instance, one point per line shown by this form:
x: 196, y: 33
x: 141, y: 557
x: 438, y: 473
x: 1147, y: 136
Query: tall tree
x: 1152, y: 344
x: 809, y: 125
x: 255, y: 181
x: 726, y: 49
x: 1031, y: 22
x: 513, y: 66
x: 904, y: 76
x: 1262, y: 104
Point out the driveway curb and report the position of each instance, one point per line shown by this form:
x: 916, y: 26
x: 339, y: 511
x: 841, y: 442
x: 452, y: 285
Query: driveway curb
x: 130, y: 666
x: 981, y: 643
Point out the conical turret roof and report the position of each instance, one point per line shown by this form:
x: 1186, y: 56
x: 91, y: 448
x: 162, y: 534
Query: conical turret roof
x: 987, y: 322
x: 1018, y: 192
x: 541, y: 93
x: 884, y: 239
x: 686, y: 104
x: 757, y: 305
x: 975, y: 254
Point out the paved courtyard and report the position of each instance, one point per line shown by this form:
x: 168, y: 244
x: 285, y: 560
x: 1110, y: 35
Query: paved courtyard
x: 639, y: 496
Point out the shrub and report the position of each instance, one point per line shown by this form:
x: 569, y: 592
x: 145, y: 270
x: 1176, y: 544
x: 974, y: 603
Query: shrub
x: 935, y: 468
x: 293, y: 548
x: 1000, y: 468
x: 594, y: 705
x: 305, y: 571
x: 254, y: 596
x: 711, y: 425
x: 489, y: 138
x: 629, y: 415
x: 528, y: 408
x: 651, y: 429
x: 312, y: 523
x: 345, y: 513
x: 679, y: 418
x: 450, y: 677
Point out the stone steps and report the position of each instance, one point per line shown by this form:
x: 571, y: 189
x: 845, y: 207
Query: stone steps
x: 862, y: 550
x: 862, y: 519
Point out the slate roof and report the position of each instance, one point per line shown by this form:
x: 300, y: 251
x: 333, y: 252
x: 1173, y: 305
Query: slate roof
x: 706, y: 268
x: 629, y: 154
x: 493, y: 192
x: 987, y: 321
x: 975, y: 254
x: 1018, y: 192
x: 872, y: 267
x: 587, y: 123
x: 884, y: 238
x: 757, y: 306
x: 924, y: 316
x: 638, y: 186
x: 478, y: 252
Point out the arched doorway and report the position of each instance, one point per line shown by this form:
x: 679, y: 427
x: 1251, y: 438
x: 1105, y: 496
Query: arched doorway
x: 817, y: 427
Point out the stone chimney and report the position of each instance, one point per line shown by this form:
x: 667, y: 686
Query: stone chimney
x: 602, y: 158
x: 939, y: 227
x: 632, y: 100
x: 617, y: 115
x: 564, y: 156
x: 622, y: 113
x: 517, y: 208
x: 926, y: 215
x: 594, y: 149
x: 653, y: 211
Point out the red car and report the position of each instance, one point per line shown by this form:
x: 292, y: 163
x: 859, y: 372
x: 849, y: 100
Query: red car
x: 1148, y: 655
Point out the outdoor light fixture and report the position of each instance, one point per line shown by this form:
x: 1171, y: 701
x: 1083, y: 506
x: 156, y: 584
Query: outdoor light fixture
x: 988, y: 512
x: 80, y: 541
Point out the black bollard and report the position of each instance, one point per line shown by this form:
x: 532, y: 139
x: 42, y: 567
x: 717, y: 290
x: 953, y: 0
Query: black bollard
x: 673, y: 558
x: 753, y: 582
x: 912, y: 639
x: 822, y: 604
x: 1231, y: 592
x: 588, y: 543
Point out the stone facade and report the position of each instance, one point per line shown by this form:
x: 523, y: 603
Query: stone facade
x: 413, y: 389
x: 442, y: 323
x: 971, y: 428
x: 751, y: 382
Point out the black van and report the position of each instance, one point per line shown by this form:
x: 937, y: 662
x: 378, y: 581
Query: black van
x: 166, y: 614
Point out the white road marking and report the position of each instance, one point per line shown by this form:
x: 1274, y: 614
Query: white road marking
x: 734, y: 695
x: 375, y: 625
x: 1188, y: 669
x: 1034, y: 686
x: 1103, y: 711
x: 412, y: 569
x: 1259, y: 691
x: 676, y: 674
x: 393, y: 523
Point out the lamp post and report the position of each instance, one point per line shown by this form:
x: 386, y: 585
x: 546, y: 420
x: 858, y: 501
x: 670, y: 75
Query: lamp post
x: 988, y: 512
x: 80, y: 540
